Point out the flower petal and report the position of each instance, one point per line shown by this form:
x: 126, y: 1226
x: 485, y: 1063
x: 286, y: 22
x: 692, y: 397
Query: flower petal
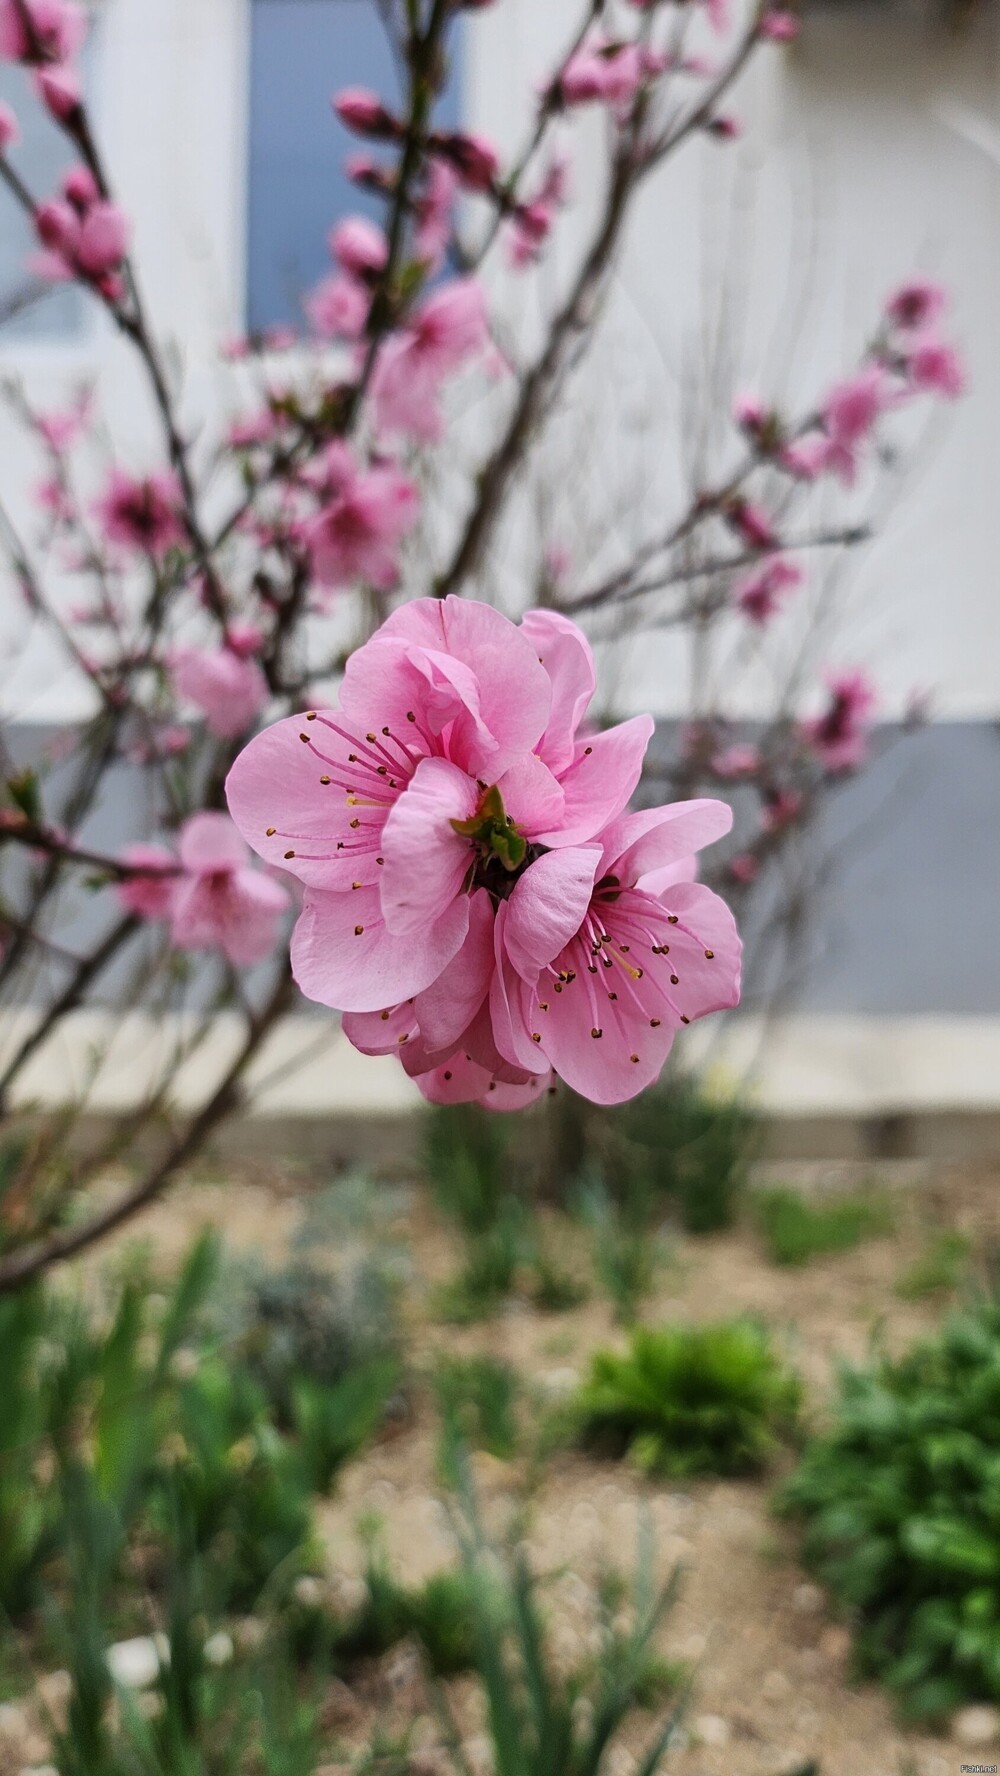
x: 426, y: 861
x: 547, y: 908
x: 445, y: 1009
x: 565, y: 653
x: 654, y: 837
x: 343, y: 956
x: 210, y: 845
x: 600, y: 781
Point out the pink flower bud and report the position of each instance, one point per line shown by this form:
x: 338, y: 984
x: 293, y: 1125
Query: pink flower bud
x: 364, y: 113
x: 916, y: 304
x: 80, y: 187
x: 60, y: 90
x: 359, y: 247
x: 779, y: 26
x: 10, y: 129
x: 474, y: 159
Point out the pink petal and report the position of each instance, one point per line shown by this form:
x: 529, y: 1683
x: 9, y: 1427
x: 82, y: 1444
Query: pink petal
x: 254, y: 906
x: 380, y: 1032
x: 210, y: 843
x: 510, y: 1004
x: 343, y: 956
x: 600, y: 781
x: 445, y: 1009
x: 278, y: 799
x: 426, y: 861
x: 531, y: 796
x: 565, y: 653
x: 547, y: 908
x: 655, y: 837
x: 514, y: 691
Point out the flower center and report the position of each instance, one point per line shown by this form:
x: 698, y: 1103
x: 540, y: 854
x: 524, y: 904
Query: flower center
x: 502, y: 853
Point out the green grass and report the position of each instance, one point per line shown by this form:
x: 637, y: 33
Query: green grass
x: 688, y: 1400
x: 477, y: 1398
x: 795, y: 1230
x: 939, y: 1269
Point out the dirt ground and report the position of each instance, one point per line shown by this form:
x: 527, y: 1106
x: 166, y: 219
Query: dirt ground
x: 772, y: 1682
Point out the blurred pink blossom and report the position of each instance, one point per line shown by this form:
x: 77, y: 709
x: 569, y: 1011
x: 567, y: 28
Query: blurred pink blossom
x: 760, y: 594
x: 142, y: 513
x: 839, y: 737
x: 229, y: 689
x: 56, y: 33
x: 919, y: 303
x: 364, y: 515
x: 220, y: 903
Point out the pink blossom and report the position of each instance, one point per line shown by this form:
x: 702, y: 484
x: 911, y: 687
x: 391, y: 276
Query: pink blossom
x: 57, y: 30
x: 447, y: 330
x: 61, y: 427
x: 359, y: 248
x: 725, y: 127
x: 936, y: 368
x: 805, y: 458
x: 434, y: 214
x: 10, y: 129
x: 919, y: 303
x: 742, y: 759
x: 760, y: 594
x: 602, y: 953
x: 142, y: 513
x: 781, y: 808
x: 779, y: 26
x: 473, y: 158
x: 363, y: 517
x: 744, y: 867
x: 850, y: 413
x: 220, y: 903
x: 337, y: 308
x: 839, y: 737
x: 609, y: 72
x: 380, y: 806
x: 149, y: 895
x: 531, y: 222
x: 749, y: 412
x: 230, y: 690
x: 751, y: 523
x: 364, y: 113
x: 718, y: 15
x: 86, y: 235
x: 60, y: 90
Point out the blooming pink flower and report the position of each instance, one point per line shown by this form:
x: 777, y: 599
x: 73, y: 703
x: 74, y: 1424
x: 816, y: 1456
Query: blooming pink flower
x: 760, y: 594
x: 609, y: 72
x: 744, y: 867
x: 57, y: 30
x: 531, y: 222
x: 142, y: 513
x: 381, y: 808
x: 805, y: 458
x: 935, y: 367
x: 229, y: 690
x: 220, y: 903
x: 359, y: 247
x: 919, y: 303
x: 850, y: 414
x: 337, y: 308
x: 839, y: 737
x: 151, y: 896
x: 86, y: 235
x: 10, y: 129
x: 604, y: 952
x: 363, y: 517
x: 448, y: 329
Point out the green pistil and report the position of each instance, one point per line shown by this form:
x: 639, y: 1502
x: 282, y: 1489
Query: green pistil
x: 493, y: 832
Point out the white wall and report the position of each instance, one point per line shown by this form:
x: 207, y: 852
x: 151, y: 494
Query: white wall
x: 878, y: 148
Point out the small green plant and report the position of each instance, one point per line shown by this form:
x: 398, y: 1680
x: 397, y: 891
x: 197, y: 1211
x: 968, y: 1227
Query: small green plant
x: 900, y: 1506
x: 795, y: 1231
x: 686, y: 1400
x: 623, y: 1245
x: 692, y: 1146
x: 477, y: 1398
x: 540, y: 1720
x: 437, y: 1613
x: 939, y: 1269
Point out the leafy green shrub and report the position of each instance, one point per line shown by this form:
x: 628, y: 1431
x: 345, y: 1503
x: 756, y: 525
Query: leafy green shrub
x: 900, y: 1502
x: 939, y: 1268
x: 795, y: 1230
x: 687, y: 1400
x: 437, y: 1613
x: 477, y: 1399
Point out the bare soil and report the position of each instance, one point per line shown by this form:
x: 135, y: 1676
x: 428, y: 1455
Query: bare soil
x: 773, y: 1685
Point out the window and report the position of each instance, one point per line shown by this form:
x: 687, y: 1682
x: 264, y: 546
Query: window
x: 31, y: 310
x: 303, y: 51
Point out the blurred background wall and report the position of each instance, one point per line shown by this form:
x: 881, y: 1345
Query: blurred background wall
x: 871, y: 150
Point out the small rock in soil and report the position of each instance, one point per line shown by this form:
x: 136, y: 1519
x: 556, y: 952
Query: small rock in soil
x: 979, y: 1725
x: 711, y: 1729
x: 808, y: 1600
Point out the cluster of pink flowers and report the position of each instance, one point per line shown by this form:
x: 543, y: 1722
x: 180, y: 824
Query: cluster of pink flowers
x: 477, y: 898
x: 207, y: 894
x: 142, y: 512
